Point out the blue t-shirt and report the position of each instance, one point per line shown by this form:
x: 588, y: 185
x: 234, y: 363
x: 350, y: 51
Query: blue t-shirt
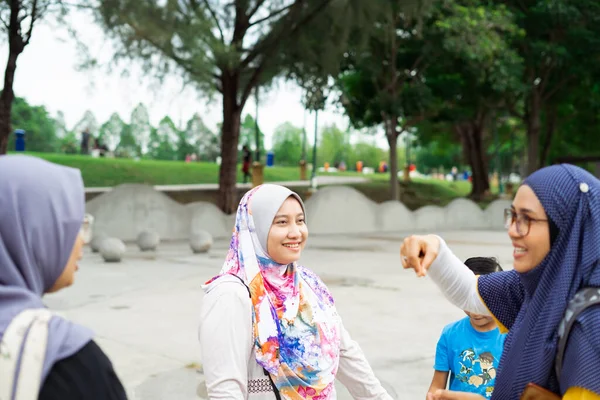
x: 472, y: 357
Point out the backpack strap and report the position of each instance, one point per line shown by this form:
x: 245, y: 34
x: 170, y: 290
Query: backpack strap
x: 22, y: 354
x: 275, y: 390
x: 585, y: 298
x: 243, y: 283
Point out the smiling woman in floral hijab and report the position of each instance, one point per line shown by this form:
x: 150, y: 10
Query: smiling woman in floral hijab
x: 269, y: 326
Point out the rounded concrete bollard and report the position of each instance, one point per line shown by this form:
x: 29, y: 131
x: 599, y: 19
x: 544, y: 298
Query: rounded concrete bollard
x: 112, y: 250
x: 96, y: 242
x: 148, y: 240
x: 200, y: 242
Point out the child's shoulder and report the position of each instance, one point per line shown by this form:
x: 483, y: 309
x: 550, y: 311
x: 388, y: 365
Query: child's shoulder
x: 456, y: 326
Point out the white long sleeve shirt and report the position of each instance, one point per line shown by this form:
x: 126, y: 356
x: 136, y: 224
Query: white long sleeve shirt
x: 230, y: 369
x: 456, y: 281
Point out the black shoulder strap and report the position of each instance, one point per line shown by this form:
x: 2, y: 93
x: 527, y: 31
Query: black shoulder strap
x: 275, y: 390
x: 584, y: 299
x: 243, y: 283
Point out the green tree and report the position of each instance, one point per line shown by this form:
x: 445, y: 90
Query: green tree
x: 165, y: 141
x: 111, y: 131
x: 204, y: 142
x: 185, y: 146
x: 87, y: 122
x: 436, y: 154
x: 39, y: 127
x: 333, y: 146
x: 141, y: 128
x: 248, y: 135
x: 287, y: 144
x: 18, y: 20
x: 382, y: 83
x: 455, y: 65
x: 69, y: 144
x: 571, y: 129
x: 559, y: 38
x: 316, y: 91
x: 60, y: 125
x: 127, y: 147
x: 229, y: 47
x: 476, y: 71
x: 368, y: 153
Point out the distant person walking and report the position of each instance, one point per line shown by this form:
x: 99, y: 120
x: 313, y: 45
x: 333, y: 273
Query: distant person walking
x: 101, y: 148
x: 246, y: 161
x: 85, y: 141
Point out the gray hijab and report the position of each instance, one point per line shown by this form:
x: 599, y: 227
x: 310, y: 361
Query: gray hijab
x: 42, y: 206
x: 265, y: 203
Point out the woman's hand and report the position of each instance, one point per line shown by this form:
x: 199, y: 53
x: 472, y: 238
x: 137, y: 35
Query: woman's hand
x: 450, y: 395
x: 419, y: 251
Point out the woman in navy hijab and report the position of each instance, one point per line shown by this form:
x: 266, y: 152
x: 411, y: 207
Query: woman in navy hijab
x: 554, y: 226
x: 42, y: 232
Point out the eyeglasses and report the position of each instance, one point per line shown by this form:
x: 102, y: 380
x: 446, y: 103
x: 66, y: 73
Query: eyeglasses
x: 86, y: 228
x: 522, y: 221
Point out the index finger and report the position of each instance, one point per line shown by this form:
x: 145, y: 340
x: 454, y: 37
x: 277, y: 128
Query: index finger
x: 403, y: 257
x: 414, y: 248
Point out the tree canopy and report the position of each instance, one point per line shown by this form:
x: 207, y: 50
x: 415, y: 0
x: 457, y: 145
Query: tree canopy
x: 228, y: 48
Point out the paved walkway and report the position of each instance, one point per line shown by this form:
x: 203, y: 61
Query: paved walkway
x: 321, y: 180
x: 145, y: 310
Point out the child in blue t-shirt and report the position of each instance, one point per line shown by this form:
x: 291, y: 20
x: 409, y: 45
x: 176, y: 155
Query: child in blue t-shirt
x: 469, y: 350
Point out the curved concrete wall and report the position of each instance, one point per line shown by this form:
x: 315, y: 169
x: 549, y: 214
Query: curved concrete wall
x: 337, y: 209
x: 393, y: 216
x: 430, y: 218
x: 495, y: 213
x: 129, y: 209
x: 204, y: 216
x: 465, y: 214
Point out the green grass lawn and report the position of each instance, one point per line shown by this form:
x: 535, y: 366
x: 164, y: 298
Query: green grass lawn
x: 413, y: 194
x: 100, y: 172
x: 417, y: 192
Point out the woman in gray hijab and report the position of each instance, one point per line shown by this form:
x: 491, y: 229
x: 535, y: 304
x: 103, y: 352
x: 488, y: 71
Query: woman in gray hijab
x: 42, y: 233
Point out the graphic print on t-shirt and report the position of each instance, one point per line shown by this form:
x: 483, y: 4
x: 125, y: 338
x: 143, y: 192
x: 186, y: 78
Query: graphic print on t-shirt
x: 471, y: 357
x: 486, y: 372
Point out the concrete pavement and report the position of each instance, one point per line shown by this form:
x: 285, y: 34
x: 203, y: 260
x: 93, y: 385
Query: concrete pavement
x: 145, y: 310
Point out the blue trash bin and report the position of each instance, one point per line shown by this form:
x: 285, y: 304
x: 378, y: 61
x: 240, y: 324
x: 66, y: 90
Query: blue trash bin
x: 19, y: 140
x: 270, y: 159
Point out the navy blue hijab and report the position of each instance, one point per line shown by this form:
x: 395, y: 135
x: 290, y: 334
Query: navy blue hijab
x: 531, y: 305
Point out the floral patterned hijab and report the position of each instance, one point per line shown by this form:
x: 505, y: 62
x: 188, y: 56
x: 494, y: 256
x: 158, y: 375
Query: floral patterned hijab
x: 295, y: 329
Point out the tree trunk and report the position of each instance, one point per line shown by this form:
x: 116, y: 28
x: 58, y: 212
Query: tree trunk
x: 6, y: 99
x: 16, y: 45
x: 391, y: 132
x: 481, y: 182
x: 550, y: 129
x: 533, y: 132
x: 230, y: 136
x: 471, y: 135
